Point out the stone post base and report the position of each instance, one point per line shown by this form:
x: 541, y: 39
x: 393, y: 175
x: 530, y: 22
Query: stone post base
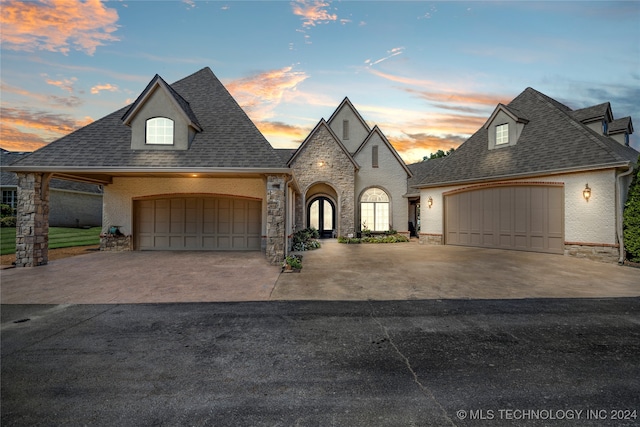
x: 114, y: 243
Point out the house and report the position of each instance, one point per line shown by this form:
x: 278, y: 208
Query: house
x: 72, y: 204
x: 184, y: 168
x: 537, y: 176
x: 349, y: 178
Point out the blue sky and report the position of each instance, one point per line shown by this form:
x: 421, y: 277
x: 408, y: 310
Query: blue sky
x: 428, y: 73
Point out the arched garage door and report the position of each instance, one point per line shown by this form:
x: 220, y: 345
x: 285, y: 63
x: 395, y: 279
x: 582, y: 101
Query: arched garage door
x: 528, y: 218
x: 198, y: 223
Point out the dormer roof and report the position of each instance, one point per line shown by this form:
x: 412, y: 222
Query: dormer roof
x: 621, y: 125
x: 157, y: 83
x: 512, y: 112
x: 594, y: 113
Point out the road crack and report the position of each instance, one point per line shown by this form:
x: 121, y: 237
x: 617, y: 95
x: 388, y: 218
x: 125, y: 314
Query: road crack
x: 425, y: 390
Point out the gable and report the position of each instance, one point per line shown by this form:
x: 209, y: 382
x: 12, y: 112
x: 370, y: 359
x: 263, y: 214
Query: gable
x: 348, y: 125
x: 376, y: 152
x: 159, y: 105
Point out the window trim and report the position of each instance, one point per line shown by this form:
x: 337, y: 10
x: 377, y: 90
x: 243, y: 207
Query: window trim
x: 375, y: 210
x: 151, y: 121
x: 502, y: 134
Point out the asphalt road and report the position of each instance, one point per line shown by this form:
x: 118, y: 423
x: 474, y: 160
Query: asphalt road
x: 559, y: 362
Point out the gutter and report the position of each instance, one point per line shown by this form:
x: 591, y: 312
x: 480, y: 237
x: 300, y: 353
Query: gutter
x: 620, y: 211
x: 520, y: 176
x: 107, y: 170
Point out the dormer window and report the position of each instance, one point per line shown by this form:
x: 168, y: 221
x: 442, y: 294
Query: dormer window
x: 502, y: 134
x: 605, y: 127
x: 159, y: 131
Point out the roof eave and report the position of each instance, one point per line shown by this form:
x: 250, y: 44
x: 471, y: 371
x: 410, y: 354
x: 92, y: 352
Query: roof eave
x: 524, y: 175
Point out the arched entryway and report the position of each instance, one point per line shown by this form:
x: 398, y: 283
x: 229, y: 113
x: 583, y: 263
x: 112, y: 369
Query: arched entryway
x: 321, y: 215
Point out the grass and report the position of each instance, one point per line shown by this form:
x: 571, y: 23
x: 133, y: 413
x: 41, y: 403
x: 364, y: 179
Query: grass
x: 59, y: 237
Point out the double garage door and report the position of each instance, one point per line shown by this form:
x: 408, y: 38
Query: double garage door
x: 529, y: 218
x: 198, y: 223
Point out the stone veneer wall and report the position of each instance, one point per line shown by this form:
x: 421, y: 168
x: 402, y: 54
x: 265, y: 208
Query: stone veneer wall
x: 337, y: 171
x: 595, y: 252
x: 276, y: 211
x: 32, y: 220
x: 114, y: 243
x: 430, y: 239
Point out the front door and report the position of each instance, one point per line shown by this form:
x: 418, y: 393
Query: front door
x: 321, y: 215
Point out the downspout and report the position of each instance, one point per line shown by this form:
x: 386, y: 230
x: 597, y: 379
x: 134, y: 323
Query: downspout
x: 620, y: 211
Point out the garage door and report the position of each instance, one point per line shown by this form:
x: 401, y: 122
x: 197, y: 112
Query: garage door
x: 198, y: 223
x: 529, y: 218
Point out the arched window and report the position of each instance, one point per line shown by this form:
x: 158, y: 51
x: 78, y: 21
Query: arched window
x: 374, y: 210
x: 160, y: 131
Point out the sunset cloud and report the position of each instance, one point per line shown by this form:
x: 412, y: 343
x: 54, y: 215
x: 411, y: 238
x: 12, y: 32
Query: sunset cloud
x: 261, y: 93
x: 277, y: 131
x: 57, y: 25
x: 313, y: 12
x: 108, y: 87
x: 24, y: 130
x: 64, y: 84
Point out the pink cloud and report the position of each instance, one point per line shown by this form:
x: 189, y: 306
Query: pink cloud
x: 57, y: 25
x: 313, y: 12
x: 108, y: 87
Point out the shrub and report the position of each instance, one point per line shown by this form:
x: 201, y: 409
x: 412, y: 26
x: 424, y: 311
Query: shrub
x: 631, y: 220
x: 6, y: 210
x: 8, y: 221
x: 294, y: 261
x: 380, y: 238
x: 305, y: 239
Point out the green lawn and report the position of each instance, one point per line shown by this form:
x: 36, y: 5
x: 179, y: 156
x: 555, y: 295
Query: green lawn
x: 59, y: 237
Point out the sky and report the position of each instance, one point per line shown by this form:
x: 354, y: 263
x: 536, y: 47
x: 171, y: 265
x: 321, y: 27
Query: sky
x: 429, y: 74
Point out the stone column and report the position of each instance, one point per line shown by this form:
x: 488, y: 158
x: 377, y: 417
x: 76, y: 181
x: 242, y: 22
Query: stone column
x: 32, y: 220
x: 276, y: 212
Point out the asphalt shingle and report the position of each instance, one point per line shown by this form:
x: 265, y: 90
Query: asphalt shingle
x: 553, y: 140
x: 229, y: 139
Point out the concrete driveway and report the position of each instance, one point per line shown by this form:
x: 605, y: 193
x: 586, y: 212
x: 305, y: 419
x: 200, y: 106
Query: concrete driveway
x: 334, y: 272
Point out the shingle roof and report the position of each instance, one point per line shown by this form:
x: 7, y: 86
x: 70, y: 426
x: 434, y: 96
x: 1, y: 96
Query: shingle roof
x: 10, y: 179
x: 621, y: 125
x: 229, y: 139
x: 421, y: 169
x: 600, y: 111
x: 552, y: 141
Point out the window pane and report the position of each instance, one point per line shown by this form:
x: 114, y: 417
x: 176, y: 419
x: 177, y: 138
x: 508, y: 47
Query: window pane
x: 502, y: 134
x: 382, y: 217
x: 367, y: 215
x: 160, y: 131
x: 314, y: 215
x: 375, y: 195
x: 328, y: 216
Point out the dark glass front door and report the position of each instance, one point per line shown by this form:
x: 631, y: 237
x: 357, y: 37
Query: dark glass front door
x: 321, y: 214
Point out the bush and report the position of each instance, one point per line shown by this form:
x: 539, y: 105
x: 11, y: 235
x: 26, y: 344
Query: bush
x: 8, y: 221
x: 295, y: 261
x: 631, y: 220
x: 305, y: 240
x: 380, y: 238
x: 6, y: 210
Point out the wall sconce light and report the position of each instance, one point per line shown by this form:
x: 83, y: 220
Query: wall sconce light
x: 321, y: 163
x: 430, y: 202
x: 586, y: 193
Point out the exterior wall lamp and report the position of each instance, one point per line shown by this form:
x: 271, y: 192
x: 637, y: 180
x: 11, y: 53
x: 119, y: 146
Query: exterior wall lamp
x: 430, y: 202
x: 321, y: 163
x: 586, y: 193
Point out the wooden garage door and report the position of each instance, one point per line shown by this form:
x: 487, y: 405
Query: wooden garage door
x: 198, y: 223
x: 528, y: 218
